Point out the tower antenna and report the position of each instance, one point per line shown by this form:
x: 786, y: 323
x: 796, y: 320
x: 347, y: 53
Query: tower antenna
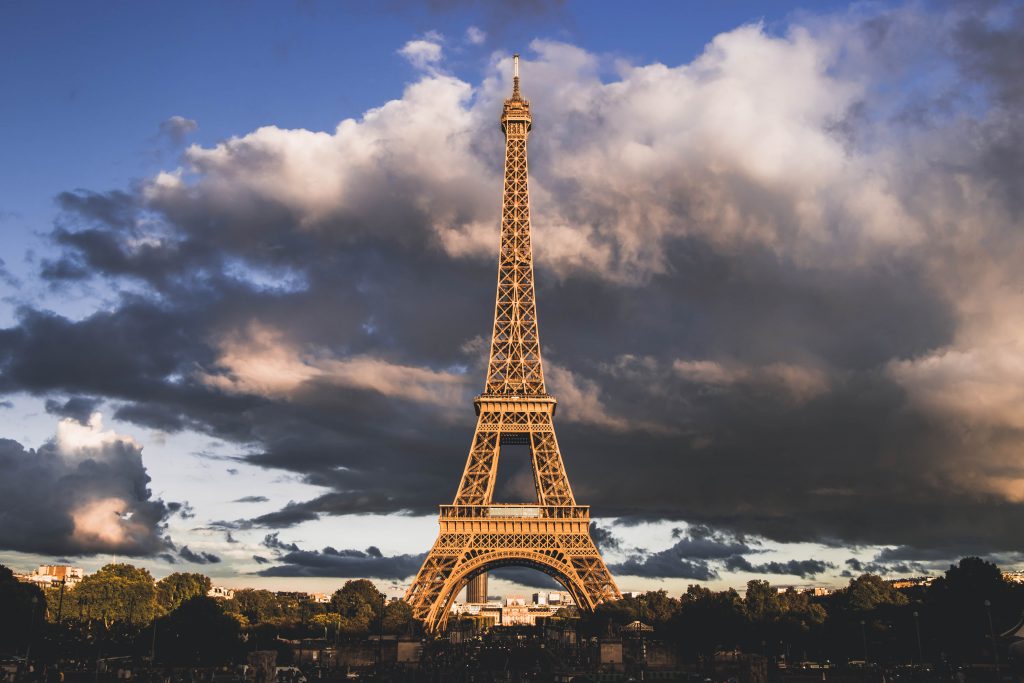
x: 515, y: 77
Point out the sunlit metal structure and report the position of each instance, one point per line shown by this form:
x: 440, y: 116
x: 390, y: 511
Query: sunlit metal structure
x: 552, y: 534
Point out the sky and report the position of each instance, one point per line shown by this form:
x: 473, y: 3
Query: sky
x: 248, y: 267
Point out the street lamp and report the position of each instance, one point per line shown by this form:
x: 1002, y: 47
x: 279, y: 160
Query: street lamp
x: 864, y: 639
x: 917, y: 628
x: 31, y: 628
x: 992, y: 632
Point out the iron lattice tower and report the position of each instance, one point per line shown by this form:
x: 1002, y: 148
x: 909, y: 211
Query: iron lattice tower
x: 477, y: 535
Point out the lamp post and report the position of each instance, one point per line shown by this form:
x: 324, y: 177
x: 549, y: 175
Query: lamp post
x: 917, y: 629
x: 864, y: 640
x: 380, y: 635
x: 31, y: 628
x: 60, y: 601
x: 992, y: 632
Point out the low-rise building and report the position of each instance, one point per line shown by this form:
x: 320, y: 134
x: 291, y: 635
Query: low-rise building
x: 53, y: 574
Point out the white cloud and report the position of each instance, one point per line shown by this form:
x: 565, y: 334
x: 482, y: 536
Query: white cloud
x: 75, y: 440
x: 475, y: 36
x: 423, y: 54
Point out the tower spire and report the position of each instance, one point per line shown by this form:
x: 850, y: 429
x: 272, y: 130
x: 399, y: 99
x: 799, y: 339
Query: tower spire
x: 515, y: 366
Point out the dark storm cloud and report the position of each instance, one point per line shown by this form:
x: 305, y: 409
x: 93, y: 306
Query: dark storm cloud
x: 274, y: 542
x: 603, y: 538
x: 721, y: 358
x: 802, y: 568
x: 65, y: 499
x: 77, y: 407
x: 531, y: 578
x: 251, y: 499
x: 259, y: 559
x: 857, y: 567
x: 688, y: 557
x: 665, y: 564
x: 346, y: 563
x: 197, y: 558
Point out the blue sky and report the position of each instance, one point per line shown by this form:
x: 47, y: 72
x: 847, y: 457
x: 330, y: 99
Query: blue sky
x: 800, y: 217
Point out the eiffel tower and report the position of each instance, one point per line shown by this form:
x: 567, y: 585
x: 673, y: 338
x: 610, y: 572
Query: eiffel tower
x: 477, y: 534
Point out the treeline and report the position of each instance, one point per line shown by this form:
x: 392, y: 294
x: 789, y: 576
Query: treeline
x: 121, y: 610
x: 953, y: 619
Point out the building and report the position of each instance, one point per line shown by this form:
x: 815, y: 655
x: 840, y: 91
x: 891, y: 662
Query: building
x: 476, y: 591
x: 1014, y: 577
x: 815, y: 591
x: 514, y: 611
x: 52, y: 575
x: 221, y: 592
x: 912, y: 582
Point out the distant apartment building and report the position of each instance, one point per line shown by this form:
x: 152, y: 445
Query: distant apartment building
x: 514, y: 609
x: 554, y: 599
x: 1014, y: 577
x: 912, y: 582
x: 816, y: 591
x: 52, y: 575
x: 221, y: 592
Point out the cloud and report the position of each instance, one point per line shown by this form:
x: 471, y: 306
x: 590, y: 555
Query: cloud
x: 79, y: 408
x: 423, y: 54
x: 197, y: 558
x: 475, y: 36
x: 251, y: 499
x: 258, y: 361
x: 82, y: 493
x: 346, y: 563
x: 800, y: 383
x: 688, y: 558
x: 779, y: 286
x: 603, y: 538
x: 802, y: 568
x: 176, y: 129
x: 273, y: 542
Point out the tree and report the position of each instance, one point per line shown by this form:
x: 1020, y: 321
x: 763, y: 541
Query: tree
x: 115, y: 593
x: 176, y: 588
x: 327, y: 620
x: 258, y: 606
x: 658, y: 607
x: 708, y: 621
x: 397, y: 617
x: 956, y: 605
x: 868, y: 592
x: 197, y: 633
x: 20, y: 617
x: 359, y: 604
x: 761, y: 603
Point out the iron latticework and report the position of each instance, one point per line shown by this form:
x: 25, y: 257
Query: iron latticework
x: 552, y: 534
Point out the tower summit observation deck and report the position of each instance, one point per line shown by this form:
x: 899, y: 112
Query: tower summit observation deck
x: 551, y: 534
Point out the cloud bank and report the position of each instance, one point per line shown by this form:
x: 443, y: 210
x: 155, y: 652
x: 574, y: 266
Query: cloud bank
x: 779, y: 286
